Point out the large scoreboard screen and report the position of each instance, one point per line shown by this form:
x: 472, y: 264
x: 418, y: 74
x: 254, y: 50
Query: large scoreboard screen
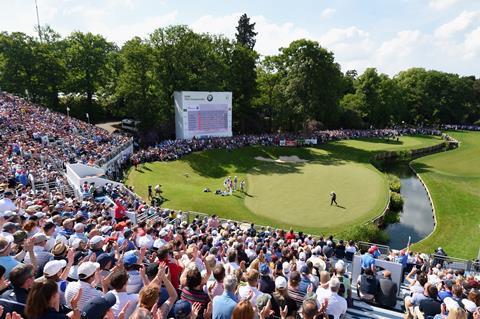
x: 200, y: 114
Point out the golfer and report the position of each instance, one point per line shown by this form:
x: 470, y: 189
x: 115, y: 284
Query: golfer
x: 333, y: 199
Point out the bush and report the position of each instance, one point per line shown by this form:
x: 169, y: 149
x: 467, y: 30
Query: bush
x: 477, y: 122
x: 369, y: 232
x: 394, y: 183
x: 396, y: 201
x: 391, y: 217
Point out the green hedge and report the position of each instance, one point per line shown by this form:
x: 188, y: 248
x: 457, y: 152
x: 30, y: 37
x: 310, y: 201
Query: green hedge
x: 394, y: 183
x: 396, y: 201
x: 369, y: 232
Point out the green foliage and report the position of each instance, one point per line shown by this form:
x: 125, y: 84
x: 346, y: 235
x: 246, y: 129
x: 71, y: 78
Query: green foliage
x: 396, y: 201
x: 368, y: 232
x: 246, y: 32
x: 394, y: 183
x: 299, y: 88
x: 391, y: 217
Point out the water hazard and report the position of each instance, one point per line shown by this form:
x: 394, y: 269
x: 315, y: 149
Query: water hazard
x: 416, y: 217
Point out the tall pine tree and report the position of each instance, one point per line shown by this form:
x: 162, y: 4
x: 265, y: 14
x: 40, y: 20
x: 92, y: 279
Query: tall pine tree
x: 246, y: 32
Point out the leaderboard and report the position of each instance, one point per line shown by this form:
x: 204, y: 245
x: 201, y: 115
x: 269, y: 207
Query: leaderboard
x: 208, y: 118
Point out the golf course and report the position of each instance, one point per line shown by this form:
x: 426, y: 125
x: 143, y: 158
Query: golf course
x: 286, y: 194
x: 453, y: 179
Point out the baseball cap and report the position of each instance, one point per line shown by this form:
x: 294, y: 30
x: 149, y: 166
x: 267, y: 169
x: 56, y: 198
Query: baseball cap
x: 9, y: 226
x: 53, y: 267
x: 182, y: 309
x: 280, y: 282
x: 104, y: 258
x: 39, y: 237
x: 87, y: 269
x: 130, y: 258
x: 19, y: 236
x: 262, y: 301
x: 96, y: 240
x: 78, y: 227
x: 264, y: 269
x: 97, y: 307
x: 304, y: 269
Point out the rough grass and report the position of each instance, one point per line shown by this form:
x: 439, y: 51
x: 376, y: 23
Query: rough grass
x: 453, y: 179
x: 281, y: 194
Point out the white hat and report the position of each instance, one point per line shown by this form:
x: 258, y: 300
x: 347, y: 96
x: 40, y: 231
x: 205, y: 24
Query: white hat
x: 96, y: 239
x: 450, y: 303
x: 302, y: 256
x: 87, y: 269
x: 39, y: 237
x: 76, y: 243
x: 105, y: 229
x: 40, y: 215
x: 159, y: 243
x: 163, y: 232
x: 53, y: 267
x: 79, y: 227
x: 280, y: 282
x: 286, y: 267
x: 470, y: 306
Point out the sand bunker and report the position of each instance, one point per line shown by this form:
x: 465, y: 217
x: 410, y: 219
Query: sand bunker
x: 282, y: 159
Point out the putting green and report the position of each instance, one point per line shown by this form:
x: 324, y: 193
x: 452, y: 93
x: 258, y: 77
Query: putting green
x: 302, y: 198
x: 280, y: 194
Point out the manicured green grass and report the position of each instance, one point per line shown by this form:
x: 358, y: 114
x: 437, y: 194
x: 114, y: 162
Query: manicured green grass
x: 453, y: 179
x: 281, y: 194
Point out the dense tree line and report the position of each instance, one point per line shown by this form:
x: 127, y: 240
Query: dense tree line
x: 300, y: 88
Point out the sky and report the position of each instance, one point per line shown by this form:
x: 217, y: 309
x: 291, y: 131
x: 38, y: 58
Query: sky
x: 390, y: 35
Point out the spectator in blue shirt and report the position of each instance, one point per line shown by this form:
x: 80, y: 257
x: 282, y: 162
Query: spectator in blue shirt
x: 368, y: 261
x: 224, y: 304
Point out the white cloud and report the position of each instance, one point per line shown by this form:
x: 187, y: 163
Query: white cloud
x: 460, y: 23
x: 271, y: 36
x: 442, y: 4
x: 327, y: 13
x: 472, y: 44
x: 350, y: 43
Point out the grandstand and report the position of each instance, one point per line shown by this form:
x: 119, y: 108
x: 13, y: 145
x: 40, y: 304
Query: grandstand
x: 60, y: 201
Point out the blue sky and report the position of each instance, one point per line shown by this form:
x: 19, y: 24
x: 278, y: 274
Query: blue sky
x: 391, y: 35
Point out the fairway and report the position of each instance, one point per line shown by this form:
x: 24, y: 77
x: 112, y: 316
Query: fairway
x: 453, y: 179
x: 281, y: 194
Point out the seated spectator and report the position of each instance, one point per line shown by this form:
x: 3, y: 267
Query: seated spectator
x: 387, y: 293
x: 243, y: 310
x: 368, y: 285
x: 430, y: 306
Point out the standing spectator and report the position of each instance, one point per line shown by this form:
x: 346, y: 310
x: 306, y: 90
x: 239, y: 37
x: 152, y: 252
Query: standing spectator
x: 21, y: 278
x: 87, y: 272
x: 266, y: 283
x: 337, y: 305
x: 281, y: 299
x: 224, y: 304
x: 387, y: 293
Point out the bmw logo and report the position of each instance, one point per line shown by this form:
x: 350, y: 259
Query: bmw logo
x: 209, y: 98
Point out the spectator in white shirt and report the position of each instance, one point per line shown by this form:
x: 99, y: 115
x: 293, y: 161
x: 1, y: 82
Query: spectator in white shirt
x: 6, y: 203
x: 119, y: 284
x: 87, y: 272
x: 42, y: 256
x: 245, y: 291
x: 337, y: 305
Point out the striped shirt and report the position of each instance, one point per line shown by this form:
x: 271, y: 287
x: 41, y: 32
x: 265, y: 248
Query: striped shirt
x: 87, y: 293
x: 193, y: 295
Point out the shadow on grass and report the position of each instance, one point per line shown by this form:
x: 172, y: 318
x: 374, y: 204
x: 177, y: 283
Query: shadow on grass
x: 421, y: 167
x: 220, y: 163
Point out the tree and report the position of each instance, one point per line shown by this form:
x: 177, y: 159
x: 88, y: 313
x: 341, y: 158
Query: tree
x: 246, y: 32
x: 138, y: 86
x: 86, y: 59
x: 312, y: 83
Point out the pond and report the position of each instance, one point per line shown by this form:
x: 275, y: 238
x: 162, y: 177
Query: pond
x: 416, y: 217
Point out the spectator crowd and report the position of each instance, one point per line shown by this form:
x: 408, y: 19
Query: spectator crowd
x: 62, y: 256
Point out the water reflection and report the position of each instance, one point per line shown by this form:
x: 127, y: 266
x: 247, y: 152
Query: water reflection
x: 416, y: 219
